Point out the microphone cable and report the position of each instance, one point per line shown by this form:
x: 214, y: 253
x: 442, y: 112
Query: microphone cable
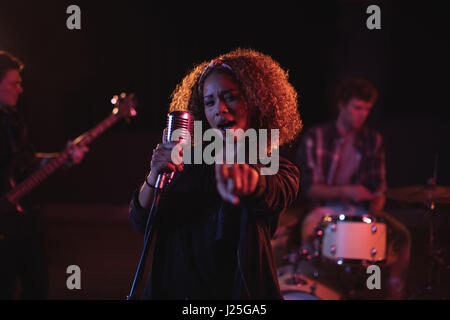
x: 147, y: 240
x: 242, y: 243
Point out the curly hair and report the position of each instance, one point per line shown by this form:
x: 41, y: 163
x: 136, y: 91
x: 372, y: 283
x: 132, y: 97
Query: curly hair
x: 271, y: 99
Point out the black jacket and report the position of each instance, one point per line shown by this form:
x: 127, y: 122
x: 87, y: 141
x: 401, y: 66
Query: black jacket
x: 208, y: 249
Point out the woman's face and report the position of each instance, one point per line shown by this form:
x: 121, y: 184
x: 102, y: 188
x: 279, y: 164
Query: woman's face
x: 225, y: 107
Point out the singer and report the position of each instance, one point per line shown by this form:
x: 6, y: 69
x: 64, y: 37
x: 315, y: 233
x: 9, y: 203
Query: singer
x: 214, y: 222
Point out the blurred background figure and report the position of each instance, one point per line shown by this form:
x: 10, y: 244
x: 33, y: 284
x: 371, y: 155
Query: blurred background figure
x: 23, y: 267
x: 343, y: 172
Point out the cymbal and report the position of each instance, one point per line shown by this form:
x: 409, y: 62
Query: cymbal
x: 420, y: 194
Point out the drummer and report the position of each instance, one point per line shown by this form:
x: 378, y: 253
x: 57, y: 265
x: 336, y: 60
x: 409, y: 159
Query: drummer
x: 343, y: 172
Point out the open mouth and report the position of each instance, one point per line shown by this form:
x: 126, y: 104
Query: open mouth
x: 226, y: 125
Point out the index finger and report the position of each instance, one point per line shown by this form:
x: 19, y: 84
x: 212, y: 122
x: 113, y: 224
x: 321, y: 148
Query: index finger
x: 222, y: 172
x: 219, y: 174
x: 164, y: 137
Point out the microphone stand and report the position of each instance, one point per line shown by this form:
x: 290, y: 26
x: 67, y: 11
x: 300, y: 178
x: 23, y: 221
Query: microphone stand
x: 176, y: 120
x: 161, y: 185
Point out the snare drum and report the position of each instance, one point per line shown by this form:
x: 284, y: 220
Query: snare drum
x: 353, y: 239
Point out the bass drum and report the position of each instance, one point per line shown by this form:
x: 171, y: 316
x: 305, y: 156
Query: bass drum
x: 302, y: 285
x: 298, y: 295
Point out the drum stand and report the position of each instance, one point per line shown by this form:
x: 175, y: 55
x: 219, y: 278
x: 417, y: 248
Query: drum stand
x: 436, y: 262
x: 296, y: 258
x: 429, y: 195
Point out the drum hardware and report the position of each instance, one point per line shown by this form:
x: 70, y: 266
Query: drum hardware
x: 436, y: 261
x: 313, y: 288
x: 295, y: 258
x: 373, y: 252
x: 333, y: 250
x: 318, y: 231
x: 429, y: 194
x: 298, y: 285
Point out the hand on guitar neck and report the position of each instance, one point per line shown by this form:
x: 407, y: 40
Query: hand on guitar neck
x: 76, y: 155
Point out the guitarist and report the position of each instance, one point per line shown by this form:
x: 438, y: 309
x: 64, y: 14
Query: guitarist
x: 23, y: 270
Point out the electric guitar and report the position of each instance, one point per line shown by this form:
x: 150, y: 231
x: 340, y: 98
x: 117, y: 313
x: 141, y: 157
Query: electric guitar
x: 124, y: 108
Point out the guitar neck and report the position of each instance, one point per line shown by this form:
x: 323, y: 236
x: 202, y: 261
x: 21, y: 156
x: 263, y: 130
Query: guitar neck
x: 54, y: 164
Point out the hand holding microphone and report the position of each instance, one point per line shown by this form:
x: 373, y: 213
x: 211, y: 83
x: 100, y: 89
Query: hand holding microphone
x: 162, y: 161
x: 168, y: 156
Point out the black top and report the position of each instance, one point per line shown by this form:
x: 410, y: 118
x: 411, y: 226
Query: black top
x: 17, y: 157
x: 207, y: 248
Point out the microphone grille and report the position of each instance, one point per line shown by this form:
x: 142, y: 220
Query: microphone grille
x: 182, y: 120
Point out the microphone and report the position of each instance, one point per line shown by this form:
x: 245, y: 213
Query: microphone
x: 183, y: 123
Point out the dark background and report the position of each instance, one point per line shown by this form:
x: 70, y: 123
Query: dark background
x: 147, y: 48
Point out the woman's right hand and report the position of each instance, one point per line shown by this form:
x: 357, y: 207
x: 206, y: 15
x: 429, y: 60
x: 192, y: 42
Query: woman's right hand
x: 162, y: 162
x: 166, y: 158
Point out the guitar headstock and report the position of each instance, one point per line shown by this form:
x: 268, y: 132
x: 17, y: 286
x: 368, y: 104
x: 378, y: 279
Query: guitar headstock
x: 125, y: 105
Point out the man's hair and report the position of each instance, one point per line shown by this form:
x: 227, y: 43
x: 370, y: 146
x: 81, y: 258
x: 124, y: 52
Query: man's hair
x: 354, y: 87
x: 8, y: 62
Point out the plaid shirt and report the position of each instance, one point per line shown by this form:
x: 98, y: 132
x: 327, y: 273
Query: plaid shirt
x: 318, y: 156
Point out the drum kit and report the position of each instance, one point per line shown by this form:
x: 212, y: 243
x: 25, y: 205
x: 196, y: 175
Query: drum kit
x: 429, y: 195
x: 342, y: 244
x: 350, y: 244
